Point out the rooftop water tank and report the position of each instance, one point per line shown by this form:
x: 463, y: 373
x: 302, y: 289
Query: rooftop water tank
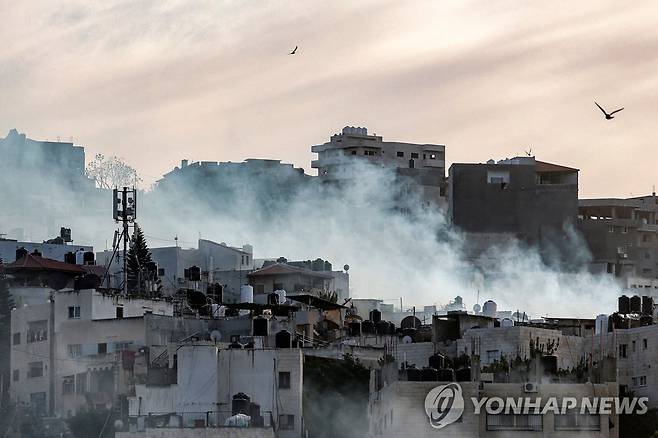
x: 636, y: 304
x: 601, y: 324
x: 624, y: 305
x: 506, y: 322
x: 490, y: 308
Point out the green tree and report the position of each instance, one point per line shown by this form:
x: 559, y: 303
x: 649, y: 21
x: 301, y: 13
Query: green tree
x: 139, y: 256
x: 6, y: 304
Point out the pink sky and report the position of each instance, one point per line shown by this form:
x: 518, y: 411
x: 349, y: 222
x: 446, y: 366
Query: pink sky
x: 157, y: 81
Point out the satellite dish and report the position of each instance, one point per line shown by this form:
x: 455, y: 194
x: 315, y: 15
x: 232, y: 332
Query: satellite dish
x: 407, y: 340
x: 215, y: 336
x: 346, y: 268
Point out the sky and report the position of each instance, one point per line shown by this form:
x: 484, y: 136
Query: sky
x: 154, y: 82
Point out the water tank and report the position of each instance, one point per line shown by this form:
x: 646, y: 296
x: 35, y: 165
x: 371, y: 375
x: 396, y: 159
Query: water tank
x: 549, y: 364
x: 283, y: 339
x: 624, y: 305
x: 414, y: 375
x: 446, y: 375
x: 410, y: 322
x: 411, y: 332
x: 430, y: 375
x: 436, y: 361
x: 391, y: 327
x: 368, y: 327
x: 241, y: 404
x: 246, y: 293
x: 601, y: 324
x: 489, y: 309
x: 636, y: 304
x: 354, y: 328
x: 506, y: 322
x: 69, y: 258
x: 89, y: 258
x: 615, y: 321
x: 463, y: 374
x: 647, y: 305
x: 477, y: 309
x: 21, y: 252
x: 256, y: 418
x: 261, y: 327
x: 80, y: 257
x: 382, y: 328
x: 375, y: 315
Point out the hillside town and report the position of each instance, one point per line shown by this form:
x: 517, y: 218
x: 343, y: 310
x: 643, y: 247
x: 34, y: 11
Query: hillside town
x: 146, y: 338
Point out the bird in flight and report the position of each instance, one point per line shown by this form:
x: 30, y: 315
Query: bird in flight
x: 293, y: 51
x: 608, y: 116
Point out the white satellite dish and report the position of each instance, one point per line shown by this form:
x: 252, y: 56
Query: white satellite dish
x: 407, y: 340
x: 215, y: 336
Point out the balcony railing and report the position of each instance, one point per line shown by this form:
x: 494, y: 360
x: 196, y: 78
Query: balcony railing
x: 208, y: 419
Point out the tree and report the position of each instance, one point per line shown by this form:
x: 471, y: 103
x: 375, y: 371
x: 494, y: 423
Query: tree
x: 139, y: 262
x: 111, y: 172
x: 6, y: 304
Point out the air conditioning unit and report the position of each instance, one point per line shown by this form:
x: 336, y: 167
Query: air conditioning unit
x: 531, y: 387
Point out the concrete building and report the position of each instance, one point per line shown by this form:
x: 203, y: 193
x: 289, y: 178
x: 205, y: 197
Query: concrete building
x: 54, y: 251
x: 397, y: 408
x: 219, y: 263
x: 64, y: 352
x: 208, y: 378
x: 525, y: 198
x: 419, y: 168
x: 622, y: 236
x: 292, y: 279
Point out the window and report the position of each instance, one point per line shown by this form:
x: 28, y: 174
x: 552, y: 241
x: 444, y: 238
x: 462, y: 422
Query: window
x: 102, y: 348
x: 414, y: 155
x: 37, y: 331
x: 645, y: 344
x: 74, y: 312
x: 286, y: 422
x: 278, y: 286
x: 68, y: 385
x: 574, y: 420
x: 80, y: 383
x: 353, y: 152
x: 514, y: 422
x: 622, y: 350
x: 400, y: 154
x: 119, y: 312
x: 74, y: 350
x: 16, y: 375
x: 633, y: 347
x: 493, y: 356
x: 639, y: 381
x: 36, y: 369
x: 284, y: 380
x: 122, y: 346
x: 161, y: 272
x: 260, y: 288
x: 17, y: 339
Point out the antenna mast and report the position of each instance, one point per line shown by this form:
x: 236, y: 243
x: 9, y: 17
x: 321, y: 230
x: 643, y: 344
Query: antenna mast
x: 124, y: 207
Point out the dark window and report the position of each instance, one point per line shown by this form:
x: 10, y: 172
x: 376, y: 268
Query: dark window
x: 514, y: 422
x: 286, y: 422
x: 102, y: 348
x: 260, y: 288
x: 36, y: 369
x: 17, y: 375
x: 353, y: 152
x: 119, y: 312
x: 278, y: 286
x: 414, y: 155
x: 161, y: 272
x: 284, y: 380
x: 68, y: 385
x: 411, y: 164
x: 622, y: 350
x: 37, y: 331
x: 645, y: 344
x: 74, y: 312
x: 400, y: 154
x: 17, y: 338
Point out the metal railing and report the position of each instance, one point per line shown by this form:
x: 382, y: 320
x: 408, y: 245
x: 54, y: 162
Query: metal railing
x: 208, y: 419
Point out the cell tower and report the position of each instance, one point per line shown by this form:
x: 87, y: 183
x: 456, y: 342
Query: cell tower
x: 124, y: 211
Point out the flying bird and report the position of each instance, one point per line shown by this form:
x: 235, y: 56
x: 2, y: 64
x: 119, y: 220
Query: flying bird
x: 608, y: 116
x: 293, y: 51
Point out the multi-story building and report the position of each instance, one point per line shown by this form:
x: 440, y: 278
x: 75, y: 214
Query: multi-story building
x: 419, y: 168
x: 622, y: 236
x: 64, y: 352
x: 528, y: 199
x: 55, y: 249
x: 219, y: 262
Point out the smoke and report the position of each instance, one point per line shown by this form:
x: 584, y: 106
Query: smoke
x: 395, y: 246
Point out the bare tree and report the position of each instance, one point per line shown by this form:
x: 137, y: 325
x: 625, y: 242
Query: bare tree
x: 111, y: 172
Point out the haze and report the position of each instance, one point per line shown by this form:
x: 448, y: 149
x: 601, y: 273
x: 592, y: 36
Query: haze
x: 156, y: 81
